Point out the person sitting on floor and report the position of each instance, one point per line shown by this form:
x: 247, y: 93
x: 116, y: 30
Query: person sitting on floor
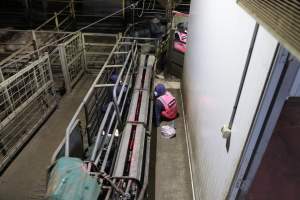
x: 165, y: 108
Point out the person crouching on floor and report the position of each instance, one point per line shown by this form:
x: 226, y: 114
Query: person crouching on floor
x: 165, y: 107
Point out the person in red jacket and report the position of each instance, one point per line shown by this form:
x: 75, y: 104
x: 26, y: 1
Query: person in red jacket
x: 181, y: 38
x: 165, y: 108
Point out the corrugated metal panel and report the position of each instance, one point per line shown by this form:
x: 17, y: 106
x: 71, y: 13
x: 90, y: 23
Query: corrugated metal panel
x: 281, y: 17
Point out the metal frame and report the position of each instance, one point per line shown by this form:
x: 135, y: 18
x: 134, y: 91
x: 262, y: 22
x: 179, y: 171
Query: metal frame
x: 71, y: 55
x: 97, y: 48
x: 99, y: 129
x: 97, y: 84
x: 276, y: 91
x: 27, y: 98
x: 55, y: 19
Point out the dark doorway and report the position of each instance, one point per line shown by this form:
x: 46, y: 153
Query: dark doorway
x: 278, y: 176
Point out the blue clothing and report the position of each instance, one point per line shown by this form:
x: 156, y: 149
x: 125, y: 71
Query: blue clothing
x: 110, y: 96
x: 160, y: 90
x: 158, y: 108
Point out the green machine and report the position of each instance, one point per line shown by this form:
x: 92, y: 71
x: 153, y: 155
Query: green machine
x: 68, y: 179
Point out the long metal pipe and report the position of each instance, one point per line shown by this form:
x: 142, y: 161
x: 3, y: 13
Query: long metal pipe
x: 244, y: 74
x: 68, y: 130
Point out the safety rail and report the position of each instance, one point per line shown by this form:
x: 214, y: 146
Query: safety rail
x: 71, y: 54
x: 72, y: 60
x: 111, y: 64
x: 59, y: 19
x: 117, y: 97
x: 97, y: 47
x: 98, y: 130
x: 32, y: 50
x: 26, y: 99
x: 114, y: 63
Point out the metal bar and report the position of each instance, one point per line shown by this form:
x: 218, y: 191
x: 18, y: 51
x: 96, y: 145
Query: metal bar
x: 26, y: 137
x: 128, y: 81
x: 6, y: 92
x: 56, y: 21
x: 100, y: 34
x: 69, y: 128
x: 113, y: 66
x: 100, y: 131
x: 104, y: 85
x: 99, y: 44
x: 115, y: 100
x: 243, y: 75
x: 120, y: 52
x: 76, y: 79
x: 52, y: 18
x: 148, y: 138
x: 64, y: 67
x: 22, y: 106
x: 75, y: 57
x: 37, y: 31
x: 26, y: 69
x: 64, y: 21
x: 97, y: 53
x: 84, y: 52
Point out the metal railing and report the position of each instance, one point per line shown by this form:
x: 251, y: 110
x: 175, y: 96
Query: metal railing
x: 101, y: 117
x: 31, y: 51
x: 72, y: 60
x: 60, y: 20
x: 97, y: 47
x: 117, y: 62
x: 26, y: 99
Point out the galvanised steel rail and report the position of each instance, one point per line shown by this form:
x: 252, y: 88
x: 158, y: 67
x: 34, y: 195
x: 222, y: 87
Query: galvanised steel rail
x: 107, y: 67
x: 26, y: 99
x: 105, y: 131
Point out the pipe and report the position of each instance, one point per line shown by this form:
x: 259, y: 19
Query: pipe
x: 237, y: 100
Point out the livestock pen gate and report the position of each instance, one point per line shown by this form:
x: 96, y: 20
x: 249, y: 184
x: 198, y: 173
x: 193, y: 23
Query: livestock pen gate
x: 30, y: 77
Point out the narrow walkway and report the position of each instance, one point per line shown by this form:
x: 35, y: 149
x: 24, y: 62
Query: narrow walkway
x: 25, y: 178
x: 170, y: 165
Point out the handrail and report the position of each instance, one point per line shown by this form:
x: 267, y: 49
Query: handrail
x: 53, y: 17
x: 116, y: 101
x: 87, y: 96
x: 101, y: 130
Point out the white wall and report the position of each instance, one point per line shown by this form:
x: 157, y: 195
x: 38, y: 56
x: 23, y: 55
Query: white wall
x: 219, y: 37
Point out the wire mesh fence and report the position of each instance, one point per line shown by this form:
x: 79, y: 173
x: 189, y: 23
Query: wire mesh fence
x: 97, y: 47
x: 27, y: 87
x: 26, y: 99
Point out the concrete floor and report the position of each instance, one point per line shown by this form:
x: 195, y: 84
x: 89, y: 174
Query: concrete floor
x: 170, y: 175
x: 25, y: 178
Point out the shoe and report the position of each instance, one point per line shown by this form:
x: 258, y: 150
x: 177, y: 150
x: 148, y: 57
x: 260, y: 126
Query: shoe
x: 160, y: 76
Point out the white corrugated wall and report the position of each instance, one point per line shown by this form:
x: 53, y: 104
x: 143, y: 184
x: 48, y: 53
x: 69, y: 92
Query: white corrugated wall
x: 219, y: 38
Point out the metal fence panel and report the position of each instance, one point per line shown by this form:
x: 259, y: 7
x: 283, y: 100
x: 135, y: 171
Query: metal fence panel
x: 97, y: 47
x: 26, y: 99
x: 72, y: 60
